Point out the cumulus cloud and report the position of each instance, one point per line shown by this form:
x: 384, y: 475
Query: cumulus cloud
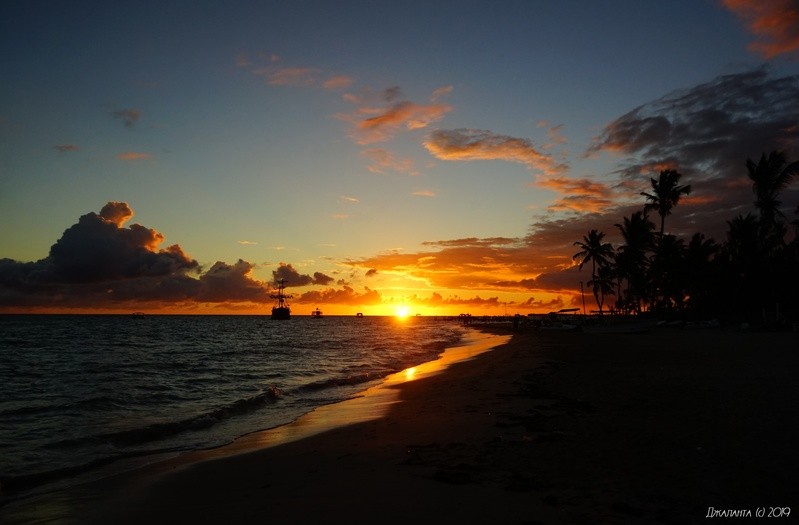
x: 99, y: 262
x: 224, y: 282
x: 474, y: 144
x: 293, y: 278
x: 775, y: 24
x: 345, y: 295
x: 129, y: 117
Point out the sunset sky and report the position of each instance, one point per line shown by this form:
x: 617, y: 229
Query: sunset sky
x: 443, y: 155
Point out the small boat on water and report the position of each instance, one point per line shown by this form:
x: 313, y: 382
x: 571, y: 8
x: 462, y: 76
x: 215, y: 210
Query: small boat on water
x: 281, y: 310
x: 359, y: 314
x: 316, y: 313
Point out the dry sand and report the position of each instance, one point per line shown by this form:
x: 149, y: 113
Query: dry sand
x: 550, y: 428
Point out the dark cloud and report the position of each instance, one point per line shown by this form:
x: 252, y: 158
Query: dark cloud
x: 345, y: 295
x: 709, y: 130
x: 98, y: 248
x: 66, y: 148
x: 322, y: 279
x: 100, y: 263
x: 293, y: 278
x: 128, y: 116
x: 224, y: 282
x: 371, y: 272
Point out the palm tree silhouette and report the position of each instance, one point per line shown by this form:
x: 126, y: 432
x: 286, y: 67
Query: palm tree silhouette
x: 631, y: 260
x: 700, y: 278
x: 602, y: 285
x: 667, y: 272
x: 770, y: 175
x: 666, y: 193
x: 600, y: 255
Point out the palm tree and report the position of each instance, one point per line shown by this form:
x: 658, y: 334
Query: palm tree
x: 600, y: 254
x: 770, y: 175
x: 700, y: 279
x: 631, y: 260
x: 602, y: 285
x: 666, y: 193
x: 667, y: 273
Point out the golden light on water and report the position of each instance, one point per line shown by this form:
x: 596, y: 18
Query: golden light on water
x: 410, y: 373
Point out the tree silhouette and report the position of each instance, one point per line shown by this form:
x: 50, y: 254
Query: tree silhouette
x: 666, y: 193
x: 752, y: 276
x: 600, y: 255
x: 631, y: 259
x: 770, y: 176
x: 602, y: 285
x: 666, y: 273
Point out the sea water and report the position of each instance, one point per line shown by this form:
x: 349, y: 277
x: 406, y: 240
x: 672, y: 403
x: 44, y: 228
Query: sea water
x: 79, y: 392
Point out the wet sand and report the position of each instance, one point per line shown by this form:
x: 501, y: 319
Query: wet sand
x: 549, y: 428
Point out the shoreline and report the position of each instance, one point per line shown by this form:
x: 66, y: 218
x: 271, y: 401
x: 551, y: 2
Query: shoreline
x: 370, y: 404
x: 548, y: 428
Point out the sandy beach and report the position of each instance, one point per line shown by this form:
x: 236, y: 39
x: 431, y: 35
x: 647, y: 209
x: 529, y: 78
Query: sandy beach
x: 549, y: 428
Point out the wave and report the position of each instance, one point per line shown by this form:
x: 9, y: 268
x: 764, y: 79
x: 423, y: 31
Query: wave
x: 156, y: 431
x: 348, y: 380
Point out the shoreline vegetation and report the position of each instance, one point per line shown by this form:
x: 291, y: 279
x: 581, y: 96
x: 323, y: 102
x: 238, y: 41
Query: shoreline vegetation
x: 550, y: 427
x: 750, y: 277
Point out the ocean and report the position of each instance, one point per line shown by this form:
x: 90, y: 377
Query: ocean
x: 83, y: 392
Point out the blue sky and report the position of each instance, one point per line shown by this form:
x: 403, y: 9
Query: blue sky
x: 413, y: 152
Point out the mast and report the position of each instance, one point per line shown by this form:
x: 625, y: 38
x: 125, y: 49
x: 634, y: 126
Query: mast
x: 281, y: 310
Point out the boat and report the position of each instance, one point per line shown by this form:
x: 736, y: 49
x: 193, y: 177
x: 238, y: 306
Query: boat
x: 281, y: 310
x: 359, y: 314
x: 316, y: 313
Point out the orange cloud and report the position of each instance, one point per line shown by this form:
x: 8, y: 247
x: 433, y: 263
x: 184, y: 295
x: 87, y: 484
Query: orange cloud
x: 581, y: 195
x: 404, y: 115
x: 383, y: 160
x: 381, y: 115
x: 338, y: 82
x: 472, y: 144
x: 424, y: 193
x: 134, y: 155
x: 774, y: 22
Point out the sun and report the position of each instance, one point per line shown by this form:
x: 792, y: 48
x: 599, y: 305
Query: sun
x: 402, y: 311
